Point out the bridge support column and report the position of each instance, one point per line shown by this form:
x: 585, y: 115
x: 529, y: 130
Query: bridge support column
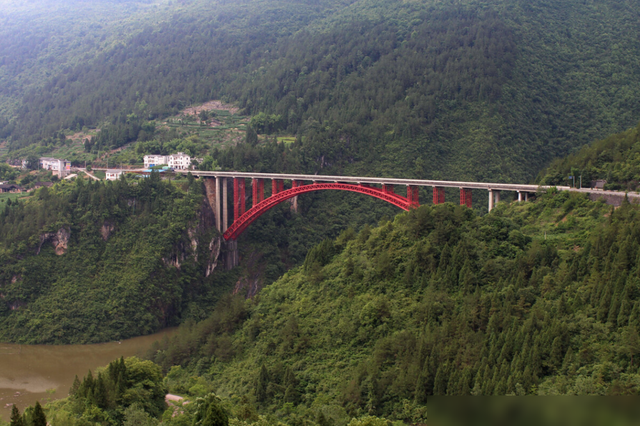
x: 387, y: 189
x: 294, y: 200
x: 412, y: 196
x: 523, y: 196
x: 494, y: 198
x: 254, y: 192
x: 236, y: 199
x: 465, y: 197
x: 225, y: 206
x: 277, y: 185
x: 218, y: 209
x: 260, y: 190
x: 257, y: 186
x: 438, y: 195
x: 243, y: 196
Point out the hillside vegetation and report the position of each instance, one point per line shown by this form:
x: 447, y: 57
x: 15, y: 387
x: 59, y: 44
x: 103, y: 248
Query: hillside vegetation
x: 534, y: 298
x: 465, y: 90
x: 92, y: 262
x: 615, y: 159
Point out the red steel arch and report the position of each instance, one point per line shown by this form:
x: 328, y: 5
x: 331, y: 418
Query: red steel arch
x: 239, y: 225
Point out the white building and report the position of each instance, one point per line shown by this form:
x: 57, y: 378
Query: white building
x: 114, y: 174
x: 154, y: 160
x: 179, y: 161
x: 61, y: 167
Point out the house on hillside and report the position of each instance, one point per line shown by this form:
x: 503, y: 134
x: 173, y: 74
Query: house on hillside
x: 154, y: 160
x: 41, y: 184
x: 61, y: 167
x: 114, y: 174
x: 179, y: 161
x: 10, y: 188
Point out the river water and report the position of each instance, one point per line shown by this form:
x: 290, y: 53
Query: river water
x: 29, y: 373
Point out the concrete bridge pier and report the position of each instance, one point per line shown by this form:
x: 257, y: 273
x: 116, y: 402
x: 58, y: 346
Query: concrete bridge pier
x: 494, y: 198
x: 218, y: 208
x: 523, y: 196
x: 294, y: 200
x: 225, y: 205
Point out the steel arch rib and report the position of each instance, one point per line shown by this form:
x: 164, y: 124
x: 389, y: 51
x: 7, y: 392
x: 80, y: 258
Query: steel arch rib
x: 238, y: 226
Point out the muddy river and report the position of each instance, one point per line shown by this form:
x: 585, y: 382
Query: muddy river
x: 37, y: 372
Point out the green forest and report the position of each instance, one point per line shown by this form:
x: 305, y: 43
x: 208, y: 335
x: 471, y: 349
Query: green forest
x: 80, y: 259
x: 535, y: 298
x: 615, y: 159
x: 464, y: 90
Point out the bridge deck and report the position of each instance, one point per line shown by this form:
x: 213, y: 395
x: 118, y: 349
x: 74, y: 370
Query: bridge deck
x: 381, y: 181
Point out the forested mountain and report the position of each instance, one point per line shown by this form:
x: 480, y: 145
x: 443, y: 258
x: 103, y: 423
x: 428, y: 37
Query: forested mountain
x: 615, y: 159
x: 534, y: 298
x: 92, y: 262
x: 465, y: 90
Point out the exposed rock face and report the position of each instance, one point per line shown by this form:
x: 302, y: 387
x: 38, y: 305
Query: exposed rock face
x: 195, y: 233
x: 16, y: 305
x: 106, y: 230
x: 174, y: 260
x: 252, y: 281
x: 194, y: 242
x: 214, y: 252
x: 59, y: 240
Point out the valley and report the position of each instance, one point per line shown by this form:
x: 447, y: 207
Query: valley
x: 345, y: 307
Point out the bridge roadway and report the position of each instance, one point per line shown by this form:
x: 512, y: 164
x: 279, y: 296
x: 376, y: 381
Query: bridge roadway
x: 381, y: 181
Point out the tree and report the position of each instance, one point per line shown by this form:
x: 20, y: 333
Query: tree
x: 16, y: 418
x: 33, y: 162
x: 39, y: 418
x: 251, y: 137
x: 75, y: 386
x: 136, y: 416
x: 261, y: 384
x: 209, y: 412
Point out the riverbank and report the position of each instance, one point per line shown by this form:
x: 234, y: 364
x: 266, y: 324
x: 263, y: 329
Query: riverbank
x: 30, y: 373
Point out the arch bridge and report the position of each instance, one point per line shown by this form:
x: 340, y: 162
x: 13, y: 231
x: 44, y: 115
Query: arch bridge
x: 217, y: 186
